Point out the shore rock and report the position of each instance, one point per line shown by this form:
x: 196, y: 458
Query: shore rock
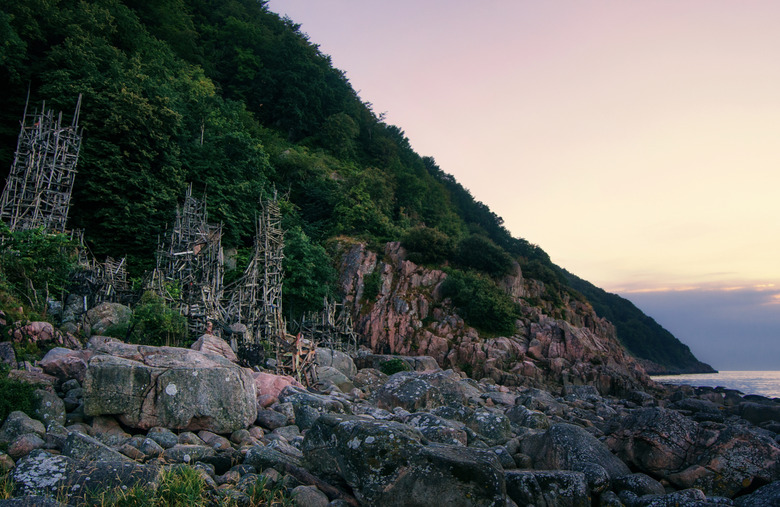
x: 167, y: 386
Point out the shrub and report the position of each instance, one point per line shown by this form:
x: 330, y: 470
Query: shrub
x: 372, y: 284
x: 479, y: 253
x: 155, y: 323
x: 481, y: 302
x: 35, y: 264
x: 16, y: 395
x: 393, y: 365
x: 427, y: 246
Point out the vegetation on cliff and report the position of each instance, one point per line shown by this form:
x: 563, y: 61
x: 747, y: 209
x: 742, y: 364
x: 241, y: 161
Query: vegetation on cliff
x: 235, y: 99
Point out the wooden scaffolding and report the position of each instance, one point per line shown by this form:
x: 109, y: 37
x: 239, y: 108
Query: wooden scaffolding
x: 256, y: 305
x: 331, y: 327
x: 190, y: 265
x: 38, y: 189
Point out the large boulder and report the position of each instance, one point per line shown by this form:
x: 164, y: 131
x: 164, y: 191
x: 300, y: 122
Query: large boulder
x: 166, y: 386
x: 386, y: 464
x: 107, y: 316
x: 61, y: 476
x: 568, y: 447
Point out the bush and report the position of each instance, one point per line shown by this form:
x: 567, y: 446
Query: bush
x: 155, y: 323
x: 16, y: 395
x: 481, y: 302
x: 372, y: 284
x: 479, y: 253
x: 427, y: 246
x: 393, y: 365
x: 35, y: 264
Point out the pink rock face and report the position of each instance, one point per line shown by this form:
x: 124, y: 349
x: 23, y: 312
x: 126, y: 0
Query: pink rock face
x: 211, y: 344
x: 552, y: 344
x: 268, y: 384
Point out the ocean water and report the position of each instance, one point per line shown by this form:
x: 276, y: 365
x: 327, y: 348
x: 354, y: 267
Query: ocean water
x: 765, y: 383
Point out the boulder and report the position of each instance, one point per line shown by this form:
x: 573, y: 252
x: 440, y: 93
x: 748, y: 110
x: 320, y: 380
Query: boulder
x: 763, y: 496
x: 7, y: 354
x: 309, y: 406
x: 66, y: 364
x: 547, y: 488
x: 106, y: 316
x: 437, y: 429
x: 568, y: 447
x: 85, y: 448
x: 268, y: 384
x: 61, y: 476
x: 386, y: 465
x: 309, y: 496
x: 210, y: 344
x: 327, y: 375
x: 758, y: 413
x: 409, y: 390
x: 18, y: 423
x: 167, y: 386
x: 336, y: 359
x: 654, y: 440
x: 491, y: 426
x: 47, y: 407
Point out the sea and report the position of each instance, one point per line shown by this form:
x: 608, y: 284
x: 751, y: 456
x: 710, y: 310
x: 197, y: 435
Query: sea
x: 764, y: 383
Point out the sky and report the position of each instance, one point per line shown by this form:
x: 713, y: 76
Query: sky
x: 635, y: 142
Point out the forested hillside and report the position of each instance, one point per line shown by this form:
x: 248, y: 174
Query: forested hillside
x: 236, y: 100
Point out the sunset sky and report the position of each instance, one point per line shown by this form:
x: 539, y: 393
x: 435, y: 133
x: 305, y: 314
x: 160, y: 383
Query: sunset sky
x: 636, y: 142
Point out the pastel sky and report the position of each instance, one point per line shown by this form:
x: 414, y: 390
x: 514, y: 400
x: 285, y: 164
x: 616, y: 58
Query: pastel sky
x: 638, y: 143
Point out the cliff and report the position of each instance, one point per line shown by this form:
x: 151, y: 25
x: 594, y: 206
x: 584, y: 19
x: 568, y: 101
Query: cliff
x: 409, y: 316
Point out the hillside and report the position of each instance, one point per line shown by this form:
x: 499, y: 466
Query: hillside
x: 236, y: 100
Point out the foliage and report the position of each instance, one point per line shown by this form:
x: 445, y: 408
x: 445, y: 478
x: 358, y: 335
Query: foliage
x: 6, y: 485
x: 35, y: 264
x: 427, y: 245
x: 480, y: 253
x: 309, y: 275
x: 261, y: 493
x: 480, y: 302
x: 16, y: 395
x: 155, y: 323
x: 372, y: 284
x: 393, y: 365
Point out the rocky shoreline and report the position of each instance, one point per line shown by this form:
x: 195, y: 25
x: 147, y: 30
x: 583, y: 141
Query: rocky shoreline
x: 115, y: 415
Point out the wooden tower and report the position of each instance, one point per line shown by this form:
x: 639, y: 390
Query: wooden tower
x: 38, y: 189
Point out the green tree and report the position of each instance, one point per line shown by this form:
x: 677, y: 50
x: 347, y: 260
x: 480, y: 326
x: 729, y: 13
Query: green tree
x: 309, y: 275
x: 480, y: 302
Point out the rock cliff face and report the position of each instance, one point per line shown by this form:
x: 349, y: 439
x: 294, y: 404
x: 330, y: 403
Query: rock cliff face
x: 410, y: 317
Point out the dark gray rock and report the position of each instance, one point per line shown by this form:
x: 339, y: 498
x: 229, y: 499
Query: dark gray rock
x: 187, y: 453
x: 492, y: 426
x: 163, y: 436
x: 385, y: 463
x: 270, y: 419
x: 262, y: 457
x: 85, y: 448
x: 7, y: 354
x: 309, y: 496
x: 309, y: 406
x: 410, y: 391
x: 65, y: 477
x: 543, y: 488
x: 522, y: 416
x: 437, y: 429
x: 686, y: 497
x: 568, y: 447
x: 762, y: 497
x: 18, y: 423
x: 638, y: 483
x: 758, y: 413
